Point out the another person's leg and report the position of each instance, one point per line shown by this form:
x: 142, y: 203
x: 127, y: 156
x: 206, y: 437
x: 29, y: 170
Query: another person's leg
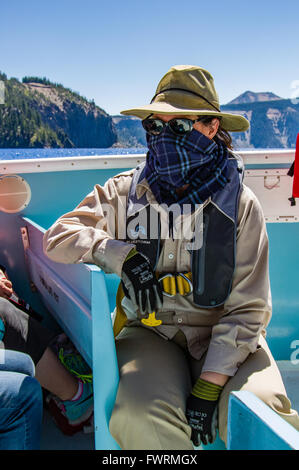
x: 260, y: 375
x: 149, y: 412
x: 27, y: 335
x: 16, y: 361
x: 54, y: 377
x: 73, y: 399
x: 21, y: 403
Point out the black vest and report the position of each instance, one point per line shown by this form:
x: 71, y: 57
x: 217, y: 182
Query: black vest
x: 213, y: 264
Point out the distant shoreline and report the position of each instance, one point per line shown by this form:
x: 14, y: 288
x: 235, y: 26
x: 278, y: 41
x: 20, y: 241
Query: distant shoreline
x: 29, y: 153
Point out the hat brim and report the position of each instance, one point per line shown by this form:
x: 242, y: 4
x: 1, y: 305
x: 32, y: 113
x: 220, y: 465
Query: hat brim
x: 229, y: 121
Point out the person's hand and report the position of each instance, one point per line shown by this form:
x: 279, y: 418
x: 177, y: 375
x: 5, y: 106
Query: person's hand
x: 141, y: 283
x: 6, y: 289
x: 202, y: 412
x: 202, y: 417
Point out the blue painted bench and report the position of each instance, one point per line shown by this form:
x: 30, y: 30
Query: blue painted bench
x: 81, y: 299
x: 252, y: 425
x: 255, y: 426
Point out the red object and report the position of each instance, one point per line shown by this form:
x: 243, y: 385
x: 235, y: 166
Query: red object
x: 62, y: 422
x: 296, y: 171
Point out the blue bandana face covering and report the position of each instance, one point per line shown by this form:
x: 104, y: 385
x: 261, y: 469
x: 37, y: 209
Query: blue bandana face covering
x: 174, y: 161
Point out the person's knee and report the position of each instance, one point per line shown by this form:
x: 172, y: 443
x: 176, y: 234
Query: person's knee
x: 273, y: 396
x: 15, y: 361
x: 20, y: 392
x: 279, y: 402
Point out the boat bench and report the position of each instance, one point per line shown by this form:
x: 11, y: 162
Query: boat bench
x: 252, y: 425
x: 81, y: 298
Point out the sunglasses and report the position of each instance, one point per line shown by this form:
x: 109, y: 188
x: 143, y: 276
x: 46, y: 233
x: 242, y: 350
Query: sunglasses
x: 179, y: 126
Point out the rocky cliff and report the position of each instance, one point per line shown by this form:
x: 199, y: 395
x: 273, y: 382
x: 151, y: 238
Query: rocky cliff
x: 38, y: 113
x: 274, y: 123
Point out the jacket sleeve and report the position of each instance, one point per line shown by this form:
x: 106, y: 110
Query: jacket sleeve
x: 89, y: 233
x: 247, y: 310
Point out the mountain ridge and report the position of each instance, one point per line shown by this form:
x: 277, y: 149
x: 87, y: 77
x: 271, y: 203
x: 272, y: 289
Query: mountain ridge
x: 252, y: 96
x: 38, y: 113
x: 273, y: 124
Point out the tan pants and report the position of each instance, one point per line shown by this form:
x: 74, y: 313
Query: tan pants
x: 156, y: 377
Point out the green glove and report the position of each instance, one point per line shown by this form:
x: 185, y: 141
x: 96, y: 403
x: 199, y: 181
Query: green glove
x: 201, y: 411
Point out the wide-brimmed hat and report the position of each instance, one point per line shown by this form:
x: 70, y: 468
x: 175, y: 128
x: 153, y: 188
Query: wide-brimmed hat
x: 189, y: 90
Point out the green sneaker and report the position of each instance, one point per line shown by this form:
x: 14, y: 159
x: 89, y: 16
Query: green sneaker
x: 81, y: 409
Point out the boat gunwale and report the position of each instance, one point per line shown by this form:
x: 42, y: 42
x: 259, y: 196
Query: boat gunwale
x: 101, y: 162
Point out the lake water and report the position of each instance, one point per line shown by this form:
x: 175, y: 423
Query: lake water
x: 17, y: 154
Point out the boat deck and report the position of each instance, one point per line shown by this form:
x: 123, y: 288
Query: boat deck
x: 53, y: 439
x: 266, y: 173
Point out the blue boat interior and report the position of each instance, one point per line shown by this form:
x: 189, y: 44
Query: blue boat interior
x: 79, y: 299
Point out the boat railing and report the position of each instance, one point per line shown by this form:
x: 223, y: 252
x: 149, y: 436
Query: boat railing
x: 282, y: 158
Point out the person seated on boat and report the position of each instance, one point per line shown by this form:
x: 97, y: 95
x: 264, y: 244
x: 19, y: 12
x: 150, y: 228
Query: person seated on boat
x: 70, y: 399
x: 21, y: 402
x: 191, y: 312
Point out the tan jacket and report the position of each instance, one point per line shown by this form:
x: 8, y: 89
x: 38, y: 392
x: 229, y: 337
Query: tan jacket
x: 228, y: 333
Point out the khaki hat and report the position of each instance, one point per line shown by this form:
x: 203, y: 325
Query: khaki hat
x: 189, y: 90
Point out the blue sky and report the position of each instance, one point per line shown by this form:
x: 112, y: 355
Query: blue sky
x: 116, y: 51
